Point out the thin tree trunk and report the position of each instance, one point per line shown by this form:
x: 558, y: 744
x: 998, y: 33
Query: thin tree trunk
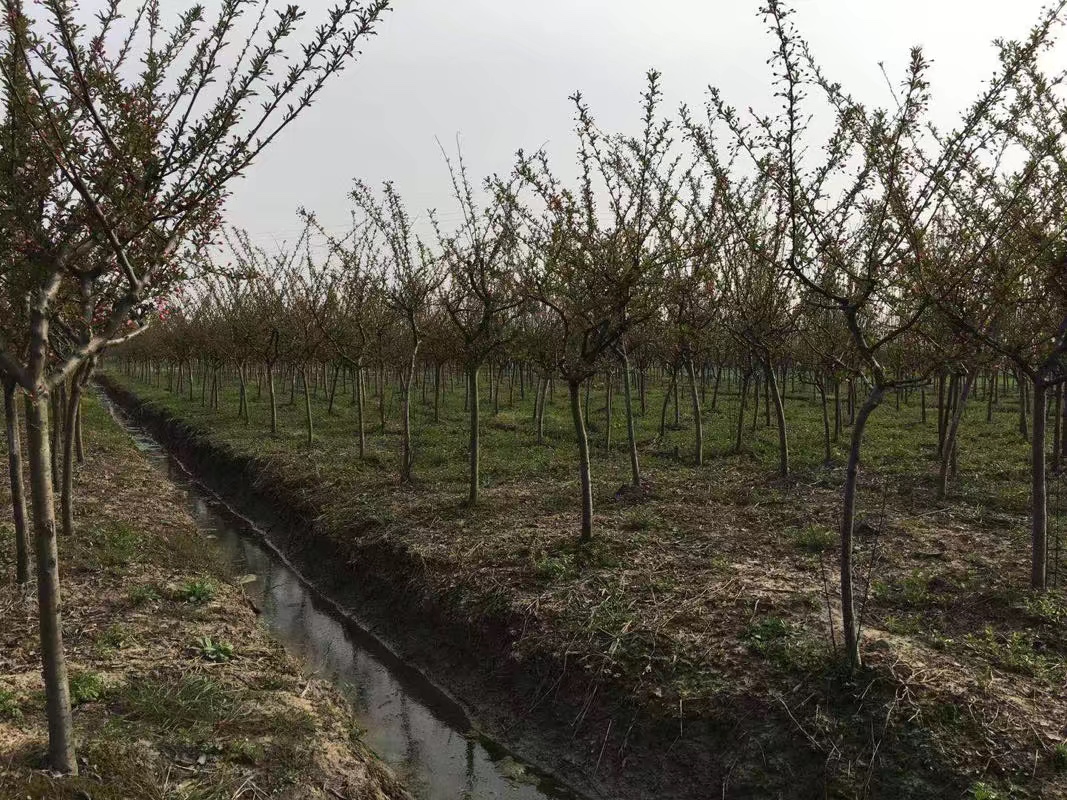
x: 755, y: 401
x: 741, y: 411
x: 69, y: 419
x: 475, y: 454
x: 631, y: 435
x: 357, y: 379
x: 539, y: 404
x: 1039, y: 518
x: 1057, y: 419
x: 698, y: 423
x: 18, y: 493
x: 436, y: 392
x: 849, y: 620
x: 666, y: 401
x: 307, y: 407
x: 79, y: 444
x: 948, y: 448
x: 57, y: 691
x: 1022, y: 408
x: 607, y: 410
x: 1063, y: 437
x: 574, y: 389
x: 837, y: 409
x: 991, y: 393
x: 779, y: 411
x: 333, y: 387
x: 820, y: 384
x: 407, y: 454
x: 56, y: 443
x: 242, y: 405
x: 272, y: 398
x: 715, y: 389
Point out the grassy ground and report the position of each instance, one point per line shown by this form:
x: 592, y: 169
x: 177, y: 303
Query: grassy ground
x: 178, y: 692
x: 712, y: 591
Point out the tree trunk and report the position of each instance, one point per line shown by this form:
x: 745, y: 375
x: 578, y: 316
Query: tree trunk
x: 771, y: 383
x: 272, y: 398
x: 666, y: 402
x: 948, y: 448
x: 79, y: 445
x: 715, y: 388
x: 607, y: 409
x: 437, y: 392
x: 69, y: 419
x: 57, y: 692
x: 242, y: 405
x: 18, y: 493
x: 741, y: 411
x: 574, y: 389
x: 55, y: 449
x: 357, y: 379
x: 333, y: 387
x: 698, y: 423
x: 539, y: 408
x: 631, y: 435
x: 1022, y: 408
x: 820, y: 384
x: 407, y: 455
x: 475, y: 454
x: 1063, y: 438
x: 850, y: 623
x: 381, y: 397
x: 755, y: 401
x: 837, y: 409
x: 991, y: 393
x: 1039, y: 517
x: 1057, y: 419
x: 307, y: 407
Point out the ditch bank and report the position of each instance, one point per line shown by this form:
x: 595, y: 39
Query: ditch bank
x: 177, y: 690
x: 587, y: 730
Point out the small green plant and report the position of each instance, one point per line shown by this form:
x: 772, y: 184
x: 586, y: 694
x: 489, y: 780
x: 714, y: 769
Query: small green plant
x: 813, y: 539
x: 782, y: 644
x: 9, y: 707
x: 113, y: 638
x: 116, y: 544
x: 913, y: 589
x: 176, y: 703
x: 903, y: 624
x: 1059, y: 757
x: 1046, y: 607
x: 1015, y: 651
x: 213, y: 651
x: 142, y: 595
x: 762, y: 634
x: 247, y: 752
x: 85, y: 687
x: 197, y: 592
x: 550, y: 568
x: 983, y: 791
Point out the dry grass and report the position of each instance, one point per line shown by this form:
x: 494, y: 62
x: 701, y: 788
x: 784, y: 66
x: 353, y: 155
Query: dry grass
x: 154, y: 718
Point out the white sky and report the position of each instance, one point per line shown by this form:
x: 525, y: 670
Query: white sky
x: 498, y: 73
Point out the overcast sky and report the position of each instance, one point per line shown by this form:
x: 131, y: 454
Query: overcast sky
x: 498, y: 73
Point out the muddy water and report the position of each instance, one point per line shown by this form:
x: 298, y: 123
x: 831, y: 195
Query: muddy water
x: 414, y: 726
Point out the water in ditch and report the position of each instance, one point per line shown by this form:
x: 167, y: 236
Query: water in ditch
x: 414, y: 726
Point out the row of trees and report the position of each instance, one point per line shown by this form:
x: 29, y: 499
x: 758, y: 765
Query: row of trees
x: 872, y: 257
x: 121, y: 134
x: 891, y: 253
